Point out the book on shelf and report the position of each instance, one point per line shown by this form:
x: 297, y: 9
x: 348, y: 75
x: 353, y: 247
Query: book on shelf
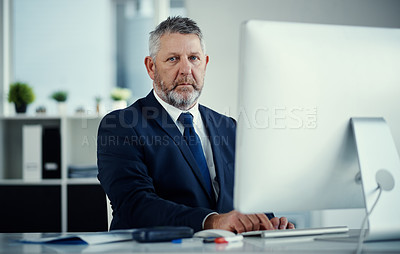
x: 82, y: 171
x: 41, y: 152
x: 32, y: 152
x: 51, y: 146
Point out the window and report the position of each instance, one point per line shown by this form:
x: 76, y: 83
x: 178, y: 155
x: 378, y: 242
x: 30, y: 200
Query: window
x: 85, y: 47
x: 63, y: 45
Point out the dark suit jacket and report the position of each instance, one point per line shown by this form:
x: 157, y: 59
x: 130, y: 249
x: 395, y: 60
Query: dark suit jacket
x: 149, y: 173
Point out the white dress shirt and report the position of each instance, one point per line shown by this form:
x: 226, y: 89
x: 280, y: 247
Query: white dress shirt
x: 201, y: 131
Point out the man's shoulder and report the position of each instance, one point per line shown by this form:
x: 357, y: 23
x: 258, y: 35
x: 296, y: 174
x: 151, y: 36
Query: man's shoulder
x: 206, y: 110
x: 128, y: 115
x: 214, y: 115
x: 140, y: 106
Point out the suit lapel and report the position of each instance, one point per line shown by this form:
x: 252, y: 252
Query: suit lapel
x: 154, y: 111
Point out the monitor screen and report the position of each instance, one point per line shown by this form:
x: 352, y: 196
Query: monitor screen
x: 299, y: 86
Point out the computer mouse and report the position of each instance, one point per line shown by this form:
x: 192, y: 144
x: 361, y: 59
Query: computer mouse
x: 214, y: 233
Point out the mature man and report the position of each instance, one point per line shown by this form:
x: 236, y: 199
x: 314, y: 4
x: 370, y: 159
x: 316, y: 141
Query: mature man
x: 166, y: 160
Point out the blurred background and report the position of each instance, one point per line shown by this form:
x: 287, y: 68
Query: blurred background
x: 88, y: 47
x: 85, y: 48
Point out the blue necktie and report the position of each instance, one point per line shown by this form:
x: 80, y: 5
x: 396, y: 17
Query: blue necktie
x: 194, y: 143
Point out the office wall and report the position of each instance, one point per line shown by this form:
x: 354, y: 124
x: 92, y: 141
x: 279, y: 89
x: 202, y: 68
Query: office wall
x: 1, y: 51
x: 2, y: 95
x: 220, y: 21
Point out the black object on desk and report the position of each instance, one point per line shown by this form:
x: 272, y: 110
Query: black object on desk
x: 161, y: 234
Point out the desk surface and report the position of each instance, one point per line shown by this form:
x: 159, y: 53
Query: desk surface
x: 9, y: 244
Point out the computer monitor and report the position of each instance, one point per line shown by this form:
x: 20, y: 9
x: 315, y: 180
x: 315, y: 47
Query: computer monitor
x: 299, y: 87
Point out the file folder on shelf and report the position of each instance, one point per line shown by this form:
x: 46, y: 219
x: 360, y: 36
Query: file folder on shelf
x: 51, y: 145
x: 32, y: 152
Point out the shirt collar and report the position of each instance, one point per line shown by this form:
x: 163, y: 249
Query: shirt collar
x: 174, y: 112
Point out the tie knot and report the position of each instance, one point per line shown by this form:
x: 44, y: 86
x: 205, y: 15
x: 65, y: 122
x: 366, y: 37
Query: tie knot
x: 186, y: 119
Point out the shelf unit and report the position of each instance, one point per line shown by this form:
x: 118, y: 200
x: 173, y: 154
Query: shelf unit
x: 78, y: 147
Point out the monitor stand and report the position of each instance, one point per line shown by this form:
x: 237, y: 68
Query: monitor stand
x: 379, y: 163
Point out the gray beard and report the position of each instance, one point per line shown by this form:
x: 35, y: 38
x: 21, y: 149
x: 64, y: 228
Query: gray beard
x: 176, y: 99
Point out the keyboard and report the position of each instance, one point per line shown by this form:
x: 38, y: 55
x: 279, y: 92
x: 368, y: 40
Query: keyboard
x: 297, y: 232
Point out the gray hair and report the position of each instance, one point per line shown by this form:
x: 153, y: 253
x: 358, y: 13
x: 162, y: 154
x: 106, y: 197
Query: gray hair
x: 175, y: 24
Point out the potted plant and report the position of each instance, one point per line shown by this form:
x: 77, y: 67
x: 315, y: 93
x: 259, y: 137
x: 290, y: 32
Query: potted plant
x: 22, y: 95
x: 60, y: 97
x: 120, y: 97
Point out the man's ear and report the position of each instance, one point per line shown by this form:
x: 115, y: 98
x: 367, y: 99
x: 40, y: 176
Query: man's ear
x: 207, y: 59
x: 150, y: 66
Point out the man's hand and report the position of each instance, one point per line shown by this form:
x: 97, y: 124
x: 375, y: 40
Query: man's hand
x: 238, y: 222
x: 281, y: 223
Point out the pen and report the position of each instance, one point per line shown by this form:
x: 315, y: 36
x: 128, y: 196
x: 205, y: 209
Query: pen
x: 187, y: 240
x: 228, y: 239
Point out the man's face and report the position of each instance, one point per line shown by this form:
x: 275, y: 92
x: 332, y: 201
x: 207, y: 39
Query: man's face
x: 179, y: 70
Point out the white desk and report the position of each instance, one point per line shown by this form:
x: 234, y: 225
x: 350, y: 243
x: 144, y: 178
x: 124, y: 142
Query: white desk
x: 9, y: 244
